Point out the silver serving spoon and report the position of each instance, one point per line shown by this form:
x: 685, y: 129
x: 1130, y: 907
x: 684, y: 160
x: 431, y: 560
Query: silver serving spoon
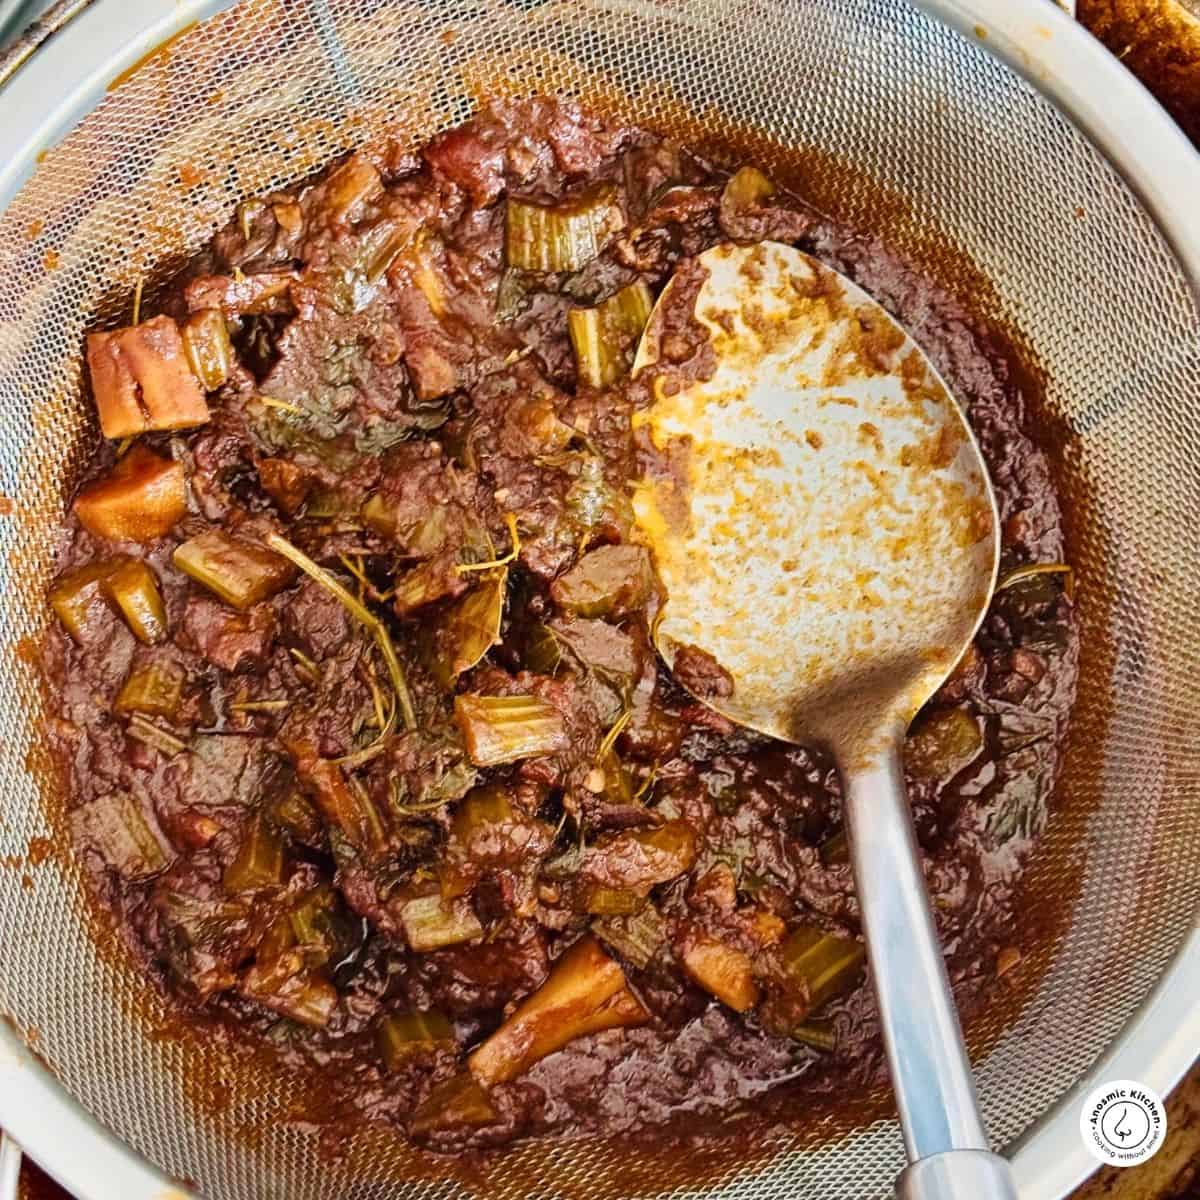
x: 825, y: 528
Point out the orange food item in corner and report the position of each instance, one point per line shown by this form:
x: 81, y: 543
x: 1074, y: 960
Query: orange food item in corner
x: 142, y: 380
x: 140, y: 501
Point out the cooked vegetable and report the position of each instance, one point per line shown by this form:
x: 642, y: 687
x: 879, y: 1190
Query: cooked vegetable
x: 428, y: 582
x: 676, y: 840
x: 142, y: 381
x: 543, y: 650
x: 421, y: 258
x: 430, y: 922
x: 636, y: 860
x: 259, y: 706
x: 514, y: 551
x: 362, y: 614
x: 512, y: 294
x: 483, y: 807
x: 563, y: 238
x: 457, y: 1103
x: 603, y: 337
x: 140, y: 501
x: 819, y: 965
x: 353, y: 183
x: 604, y: 901
x: 638, y: 937
x: 400, y: 1035
x: 240, y: 573
x: 133, y: 587
x: 817, y: 1035
x: 378, y: 515
x: 150, y: 734
x: 1021, y: 575
x: 452, y: 780
x: 723, y: 970
x: 941, y: 742
x: 278, y: 940
x: 610, y: 779
x: 155, y: 690
x: 469, y: 630
x: 597, y: 505
x: 381, y: 245
x: 326, y: 934
x: 280, y: 405
x: 299, y: 818
x: 79, y: 601
x: 747, y: 187
x: 504, y: 729
x: 343, y: 806
x: 284, y: 986
x: 259, y: 861
x: 209, y: 350
x: 116, y: 827
x: 585, y: 993
x: 384, y: 723
x: 308, y: 920
x: 610, y: 581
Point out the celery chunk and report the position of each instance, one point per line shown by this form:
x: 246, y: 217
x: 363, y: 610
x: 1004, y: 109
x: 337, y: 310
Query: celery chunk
x: 240, y: 573
x: 401, y: 1035
x: 133, y: 588
x: 565, y: 237
x: 504, y: 729
x: 603, y: 337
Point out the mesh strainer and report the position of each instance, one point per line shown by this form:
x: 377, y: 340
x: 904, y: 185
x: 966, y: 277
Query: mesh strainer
x: 1081, y: 244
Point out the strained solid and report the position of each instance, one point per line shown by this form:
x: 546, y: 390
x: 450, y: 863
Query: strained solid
x: 886, y: 120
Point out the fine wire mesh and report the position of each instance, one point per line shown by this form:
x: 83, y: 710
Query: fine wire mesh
x: 891, y: 123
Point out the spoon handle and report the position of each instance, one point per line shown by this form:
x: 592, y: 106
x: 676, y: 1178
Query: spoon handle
x: 931, y: 1075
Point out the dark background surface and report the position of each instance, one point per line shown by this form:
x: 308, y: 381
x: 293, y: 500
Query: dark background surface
x: 1159, y: 40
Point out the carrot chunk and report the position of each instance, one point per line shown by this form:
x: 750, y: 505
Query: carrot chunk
x: 142, y: 380
x: 140, y: 501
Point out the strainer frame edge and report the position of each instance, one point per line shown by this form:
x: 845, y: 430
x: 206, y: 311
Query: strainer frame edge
x: 1161, y: 169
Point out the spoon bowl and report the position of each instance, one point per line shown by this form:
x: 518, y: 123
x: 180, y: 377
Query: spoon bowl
x: 827, y: 531
x: 826, y: 534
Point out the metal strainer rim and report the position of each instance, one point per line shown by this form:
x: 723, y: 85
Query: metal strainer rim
x: 96, y: 39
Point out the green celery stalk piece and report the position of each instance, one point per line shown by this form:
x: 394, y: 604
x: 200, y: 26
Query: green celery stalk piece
x: 504, y: 729
x: 238, y: 572
x: 259, y: 860
x: 400, y: 1035
x: 821, y: 965
x: 603, y: 337
x: 565, y: 237
x: 430, y: 923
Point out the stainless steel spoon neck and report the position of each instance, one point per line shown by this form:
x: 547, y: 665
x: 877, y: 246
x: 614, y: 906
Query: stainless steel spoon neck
x: 958, y: 1175
x: 930, y: 1071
